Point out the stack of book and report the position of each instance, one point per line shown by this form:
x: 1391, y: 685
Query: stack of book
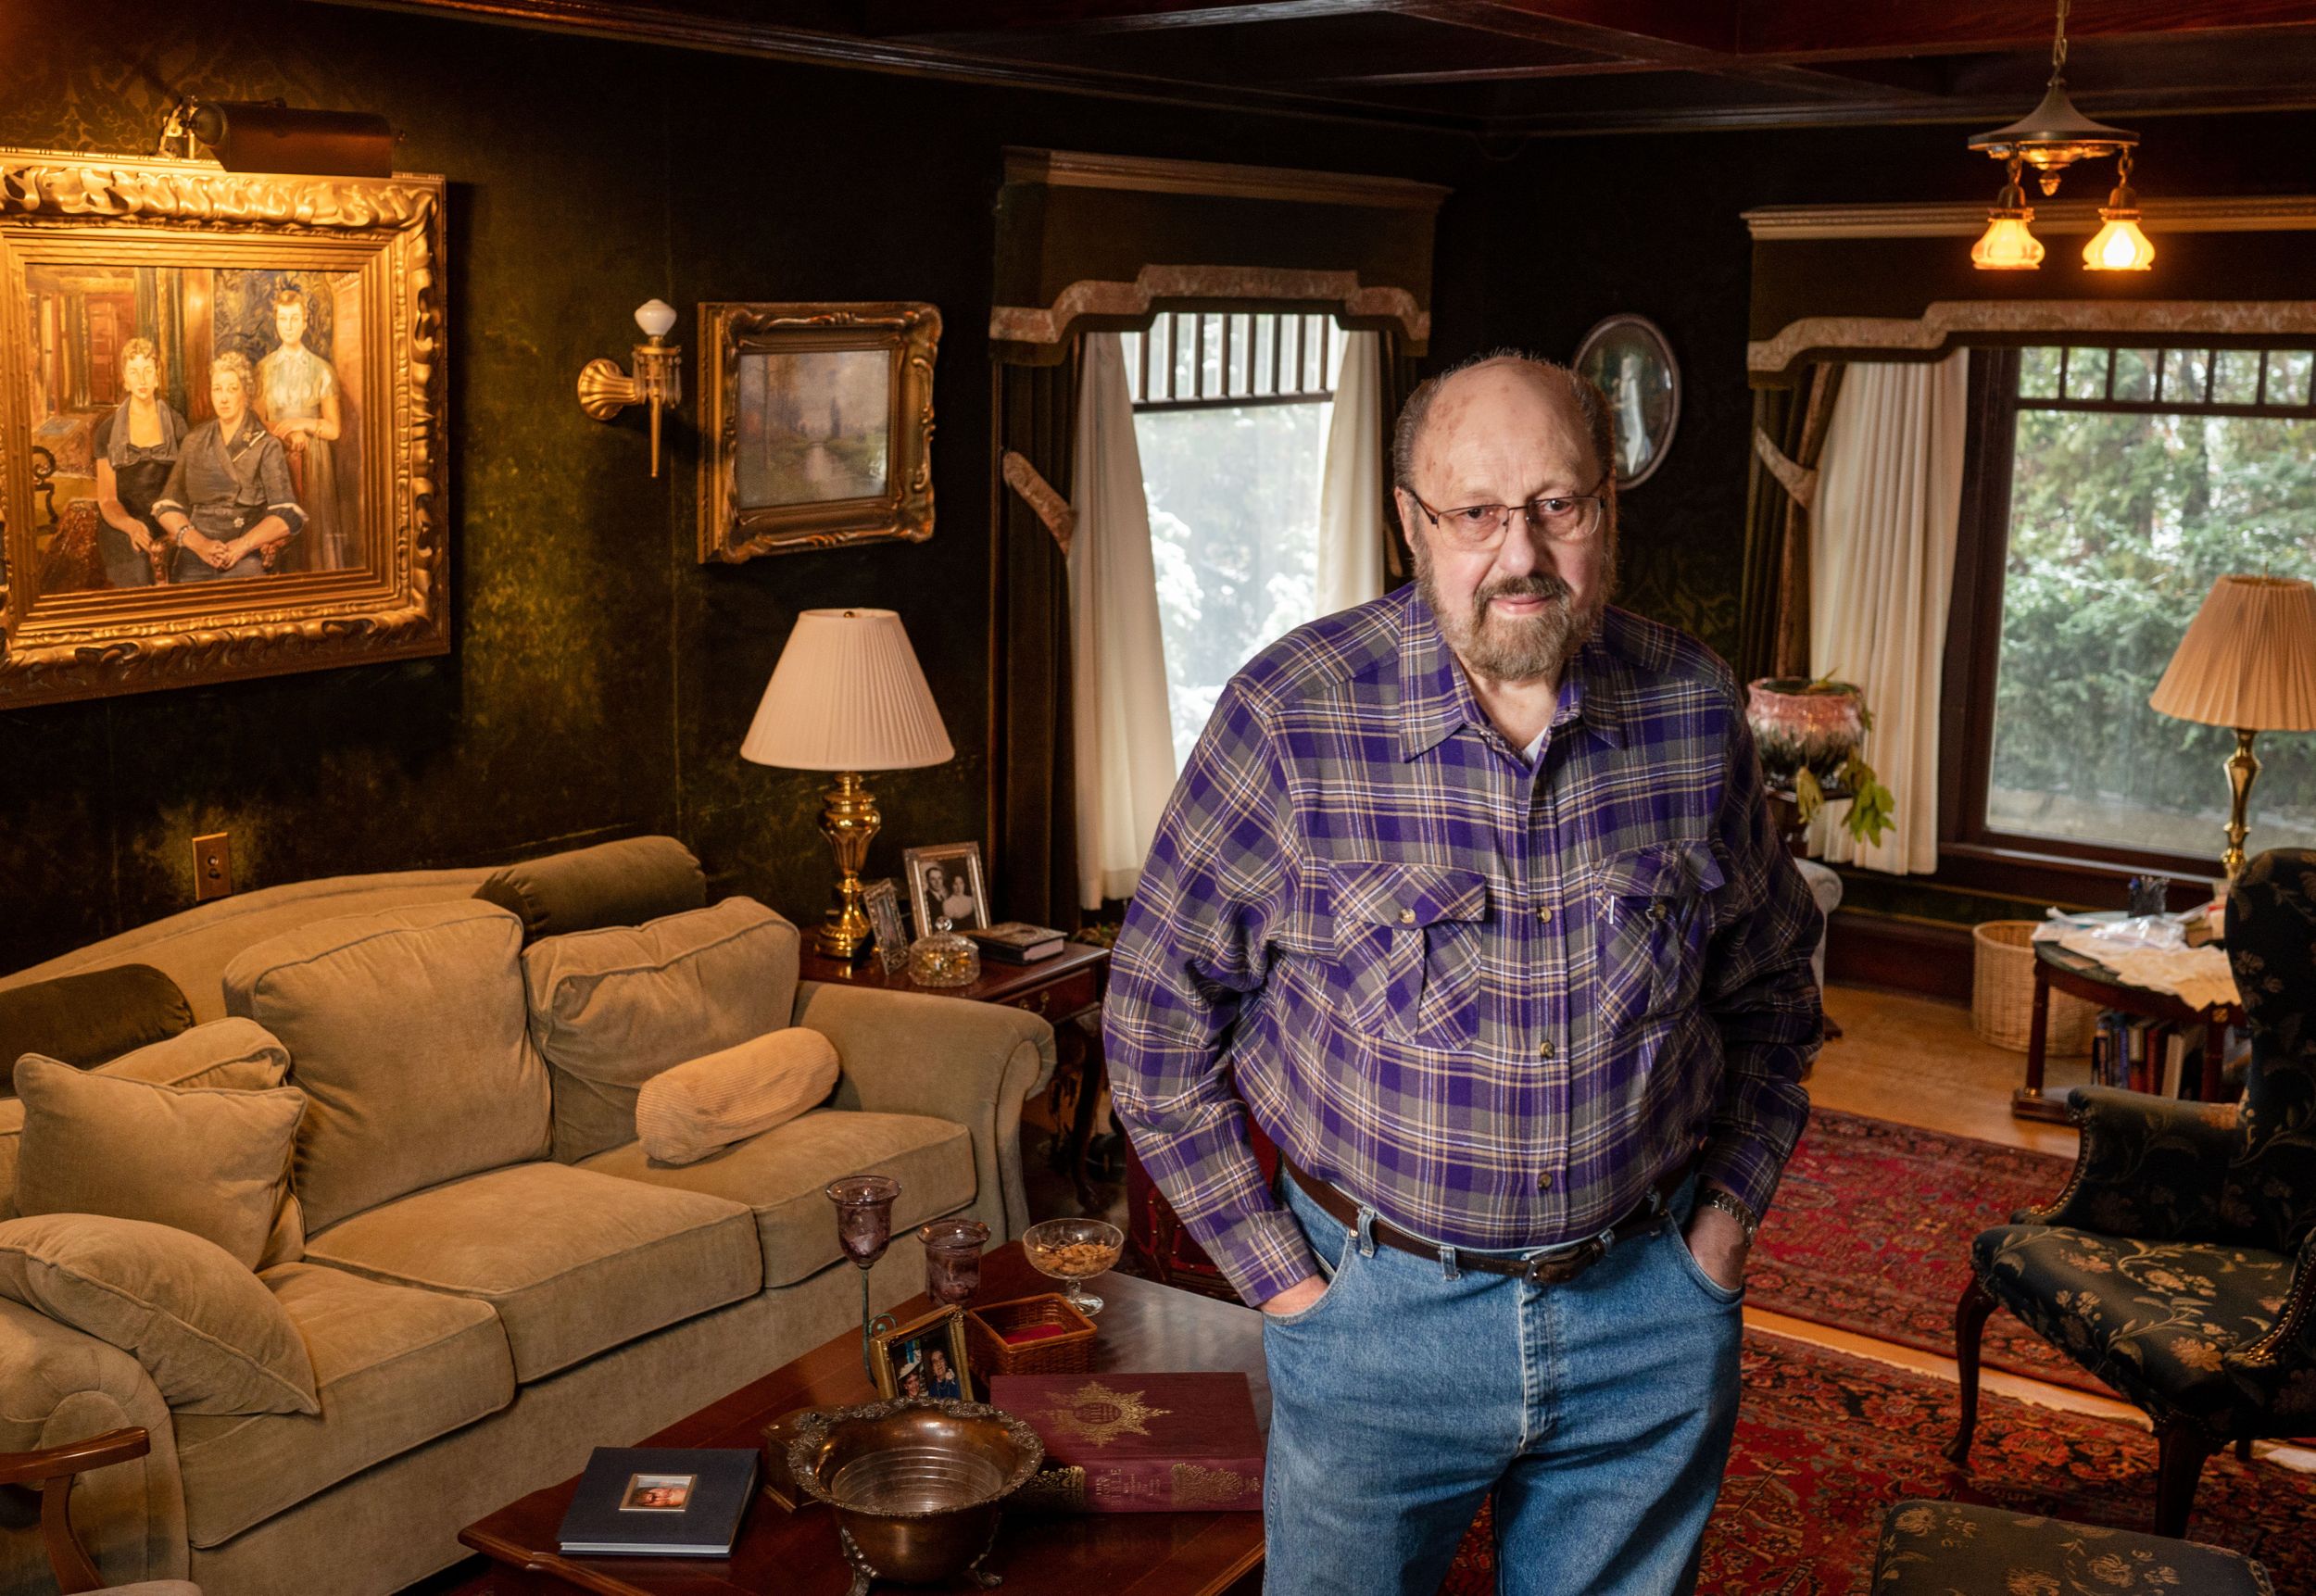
x: 2142, y: 1055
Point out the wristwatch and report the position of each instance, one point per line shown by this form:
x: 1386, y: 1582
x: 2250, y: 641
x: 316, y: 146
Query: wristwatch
x: 1732, y: 1205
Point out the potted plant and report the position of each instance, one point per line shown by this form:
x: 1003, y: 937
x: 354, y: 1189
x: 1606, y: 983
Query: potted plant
x: 1809, y: 734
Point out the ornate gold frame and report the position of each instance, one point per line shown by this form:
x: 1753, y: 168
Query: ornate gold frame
x: 911, y: 332
x: 115, y: 210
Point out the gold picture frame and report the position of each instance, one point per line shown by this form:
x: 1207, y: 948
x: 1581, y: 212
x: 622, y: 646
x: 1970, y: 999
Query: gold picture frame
x: 816, y: 422
x: 897, y: 1355
x: 155, y: 285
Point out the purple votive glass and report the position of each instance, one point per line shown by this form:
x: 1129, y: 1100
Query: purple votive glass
x: 952, y: 1258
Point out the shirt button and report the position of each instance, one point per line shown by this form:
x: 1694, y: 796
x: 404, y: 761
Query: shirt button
x: 1544, y: 916
x: 1544, y: 1050
x: 1406, y: 917
x: 1544, y: 1181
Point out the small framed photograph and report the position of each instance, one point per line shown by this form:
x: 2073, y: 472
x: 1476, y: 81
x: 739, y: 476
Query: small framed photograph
x: 658, y: 1492
x: 945, y: 884
x: 881, y: 901
x: 926, y: 1358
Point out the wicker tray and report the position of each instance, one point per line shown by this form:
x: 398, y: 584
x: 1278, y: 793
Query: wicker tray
x: 1071, y: 1352
x: 2002, y: 994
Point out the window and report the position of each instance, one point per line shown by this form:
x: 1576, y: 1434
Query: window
x: 1230, y: 414
x: 2117, y: 483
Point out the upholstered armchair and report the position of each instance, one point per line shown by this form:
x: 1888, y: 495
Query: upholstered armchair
x: 2179, y: 1264
x: 50, y: 1472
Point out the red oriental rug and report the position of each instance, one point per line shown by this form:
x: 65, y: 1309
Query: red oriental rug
x: 1826, y: 1442
x: 1871, y: 1232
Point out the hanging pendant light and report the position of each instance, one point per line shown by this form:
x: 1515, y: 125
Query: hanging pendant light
x: 2054, y: 135
x: 2006, y: 245
x: 2118, y: 246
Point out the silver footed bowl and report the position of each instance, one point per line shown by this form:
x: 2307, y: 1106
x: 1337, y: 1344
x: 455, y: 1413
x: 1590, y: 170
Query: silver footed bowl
x: 918, y: 1484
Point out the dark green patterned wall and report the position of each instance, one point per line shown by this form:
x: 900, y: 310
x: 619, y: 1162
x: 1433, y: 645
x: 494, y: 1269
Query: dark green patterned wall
x: 600, y: 679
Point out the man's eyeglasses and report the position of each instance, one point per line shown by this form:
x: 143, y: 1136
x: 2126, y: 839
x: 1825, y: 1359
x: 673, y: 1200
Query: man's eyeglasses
x: 1479, y: 528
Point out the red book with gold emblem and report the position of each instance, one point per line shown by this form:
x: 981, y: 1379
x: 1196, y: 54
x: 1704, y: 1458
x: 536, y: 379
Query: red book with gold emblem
x: 1141, y: 1443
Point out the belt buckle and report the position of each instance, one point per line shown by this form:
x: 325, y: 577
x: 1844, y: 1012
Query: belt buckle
x: 1558, y: 1268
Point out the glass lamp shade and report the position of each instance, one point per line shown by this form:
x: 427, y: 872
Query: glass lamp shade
x: 2118, y: 246
x: 655, y: 317
x: 847, y: 695
x: 2006, y: 245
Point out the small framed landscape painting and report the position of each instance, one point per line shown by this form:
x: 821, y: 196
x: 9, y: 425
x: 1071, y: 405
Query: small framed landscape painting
x: 221, y: 419
x: 817, y: 426
x: 1628, y: 358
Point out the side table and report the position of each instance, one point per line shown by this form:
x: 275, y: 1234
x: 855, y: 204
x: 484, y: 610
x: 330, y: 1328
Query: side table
x: 2093, y: 983
x: 1064, y: 990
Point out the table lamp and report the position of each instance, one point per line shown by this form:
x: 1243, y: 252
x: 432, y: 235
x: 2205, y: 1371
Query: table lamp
x: 2248, y: 662
x: 847, y: 696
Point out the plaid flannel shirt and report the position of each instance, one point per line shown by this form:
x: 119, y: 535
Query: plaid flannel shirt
x: 1492, y: 1000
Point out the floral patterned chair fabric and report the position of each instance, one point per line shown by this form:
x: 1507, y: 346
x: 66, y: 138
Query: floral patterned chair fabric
x: 1937, y: 1548
x: 2179, y: 1264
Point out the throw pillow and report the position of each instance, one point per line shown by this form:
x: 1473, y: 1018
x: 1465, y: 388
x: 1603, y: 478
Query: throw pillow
x: 89, y: 1018
x: 611, y: 884
x: 206, y: 1330
x: 230, y: 1053
x: 406, y: 1029
x: 683, y: 1114
x: 212, y: 1161
x: 611, y: 1009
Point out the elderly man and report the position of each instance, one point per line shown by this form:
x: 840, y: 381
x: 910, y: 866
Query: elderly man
x: 1469, y: 899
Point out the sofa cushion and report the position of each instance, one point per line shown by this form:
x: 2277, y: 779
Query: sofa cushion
x: 395, y: 1368
x: 610, y: 1009
x: 205, y: 1160
x: 573, y: 1262
x: 683, y: 1114
x: 406, y: 1030
x: 89, y: 1018
x: 623, y: 883
x: 207, y: 1331
x: 779, y: 1175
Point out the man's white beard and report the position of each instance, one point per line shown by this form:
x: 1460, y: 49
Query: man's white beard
x: 1511, y: 649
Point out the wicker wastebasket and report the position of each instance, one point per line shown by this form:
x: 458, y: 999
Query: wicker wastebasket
x: 2002, y: 994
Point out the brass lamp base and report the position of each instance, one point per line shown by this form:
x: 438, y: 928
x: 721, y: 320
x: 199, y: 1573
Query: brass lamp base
x: 2242, y: 768
x: 849, y: 818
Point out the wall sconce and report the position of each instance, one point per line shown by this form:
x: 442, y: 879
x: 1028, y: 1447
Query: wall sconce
x: 247, y: 135
x: 605, y: 390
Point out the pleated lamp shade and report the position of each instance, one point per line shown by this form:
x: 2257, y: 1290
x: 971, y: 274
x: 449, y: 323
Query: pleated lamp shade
x: 2248, y: 659
x: 847, y: 695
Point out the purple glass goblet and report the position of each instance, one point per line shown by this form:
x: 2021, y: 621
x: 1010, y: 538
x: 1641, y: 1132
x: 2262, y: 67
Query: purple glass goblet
x: 864, y: 1228
x: 952, y: 1258
x: 864, y: 1214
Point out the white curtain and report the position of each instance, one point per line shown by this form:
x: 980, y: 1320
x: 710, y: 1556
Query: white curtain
x: 1351, y: 482
x: 1125, y: 741
x: 1882, y: 539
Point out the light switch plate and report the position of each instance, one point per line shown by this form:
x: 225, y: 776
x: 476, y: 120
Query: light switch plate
x: 213, y: 866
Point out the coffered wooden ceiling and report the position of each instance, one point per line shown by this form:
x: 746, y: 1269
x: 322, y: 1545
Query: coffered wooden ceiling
x: 1519, y: 67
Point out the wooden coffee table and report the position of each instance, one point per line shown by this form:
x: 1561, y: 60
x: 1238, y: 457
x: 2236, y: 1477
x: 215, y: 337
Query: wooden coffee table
x: 1145, y: 1328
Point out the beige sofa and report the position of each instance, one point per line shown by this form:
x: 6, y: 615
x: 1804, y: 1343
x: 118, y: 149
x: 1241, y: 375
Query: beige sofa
x: 472, y: 1337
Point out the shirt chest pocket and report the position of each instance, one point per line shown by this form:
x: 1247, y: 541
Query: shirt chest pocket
x: 1654, y: 921
x: 1407, y: 949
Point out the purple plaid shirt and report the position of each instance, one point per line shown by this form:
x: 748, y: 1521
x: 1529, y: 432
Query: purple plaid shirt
x: 1490, y: 1000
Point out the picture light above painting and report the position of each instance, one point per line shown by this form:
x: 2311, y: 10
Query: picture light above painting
x: 221, y: 402
x: 816, y: 425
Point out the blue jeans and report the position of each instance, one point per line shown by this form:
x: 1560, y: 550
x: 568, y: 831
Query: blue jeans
x: 1598, y: 1413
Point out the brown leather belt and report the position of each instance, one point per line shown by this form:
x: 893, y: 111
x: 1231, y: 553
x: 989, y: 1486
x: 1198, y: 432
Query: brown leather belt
x: 1555, y: 1268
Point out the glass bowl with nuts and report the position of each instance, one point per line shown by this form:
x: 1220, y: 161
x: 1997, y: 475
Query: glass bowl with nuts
x: 1073, y: 1251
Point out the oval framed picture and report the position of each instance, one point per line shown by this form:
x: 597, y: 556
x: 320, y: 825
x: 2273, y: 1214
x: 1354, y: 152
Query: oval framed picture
x: 1629, y: 357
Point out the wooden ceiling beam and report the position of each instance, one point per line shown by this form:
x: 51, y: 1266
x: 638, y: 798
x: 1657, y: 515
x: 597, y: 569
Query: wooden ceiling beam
x: 1832, y: 29
x: 986, y: 20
